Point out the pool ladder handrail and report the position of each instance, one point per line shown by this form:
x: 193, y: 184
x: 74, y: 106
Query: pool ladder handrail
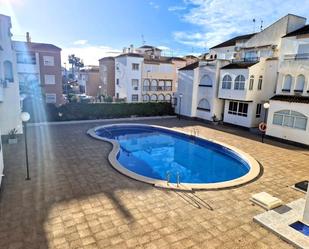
x: 168, y: 176
x: 194, y: 132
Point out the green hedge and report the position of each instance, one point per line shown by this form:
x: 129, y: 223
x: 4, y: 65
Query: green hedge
x: 83, y: 111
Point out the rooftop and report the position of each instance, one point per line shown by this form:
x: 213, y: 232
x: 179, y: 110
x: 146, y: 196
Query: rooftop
x: 150, y: 47
x: 232, y: 42
x: 190, y: 66
x: 35, y: 46
x: 302, y: 31
x: 291, y: 98
x: 239, y: 65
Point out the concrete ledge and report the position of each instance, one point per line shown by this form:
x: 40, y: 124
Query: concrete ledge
x: 251, y: 175
x: 100, y: 120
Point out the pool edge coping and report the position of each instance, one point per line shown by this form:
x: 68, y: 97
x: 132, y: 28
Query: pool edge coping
x: 253, y: 173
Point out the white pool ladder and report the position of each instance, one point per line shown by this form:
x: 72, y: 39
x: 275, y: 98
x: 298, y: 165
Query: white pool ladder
x: 168, y: 178
x: 194, y: 132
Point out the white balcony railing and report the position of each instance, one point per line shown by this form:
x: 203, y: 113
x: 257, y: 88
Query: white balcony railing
x: 295, y: 57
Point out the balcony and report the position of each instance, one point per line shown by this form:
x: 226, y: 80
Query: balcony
x: 295, y: 57
x: 157, y: 88
x: 246, y: 60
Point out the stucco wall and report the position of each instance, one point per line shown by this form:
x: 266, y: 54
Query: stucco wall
x: 296, y: 135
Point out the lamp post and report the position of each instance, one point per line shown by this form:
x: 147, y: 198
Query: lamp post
x: 266, y: 107
x: 180, y: 97
x: 25, y: 116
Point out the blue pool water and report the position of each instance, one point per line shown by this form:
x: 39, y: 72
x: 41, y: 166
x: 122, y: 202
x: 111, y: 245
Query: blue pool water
x: 153, y: 152
x: 301, y: 227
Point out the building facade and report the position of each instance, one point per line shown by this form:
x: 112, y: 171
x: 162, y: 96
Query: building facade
x: 39, y: 71
x: 9, y: 88
x: 89, y: 81
x: 289, y: 109
x: 107, y: 75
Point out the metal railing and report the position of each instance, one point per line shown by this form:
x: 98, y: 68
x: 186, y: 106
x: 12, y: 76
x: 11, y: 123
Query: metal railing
x: 168, y: 178
x: 303, y: 56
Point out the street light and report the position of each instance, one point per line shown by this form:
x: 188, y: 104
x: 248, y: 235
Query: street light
x: 180, y: 97
x: 25, y: 116
x: 266, y: 106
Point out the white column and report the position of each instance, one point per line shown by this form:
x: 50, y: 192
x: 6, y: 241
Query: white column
x: 306, y: 211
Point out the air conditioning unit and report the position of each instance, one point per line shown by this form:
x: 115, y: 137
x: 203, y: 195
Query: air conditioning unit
x: 135, y: 88
x: 237, y: 49
x: 273, y: 47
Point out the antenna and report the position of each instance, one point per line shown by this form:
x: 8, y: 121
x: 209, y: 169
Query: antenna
x: 253, y: 25
x: 143, y: 39
x: 261, y: 24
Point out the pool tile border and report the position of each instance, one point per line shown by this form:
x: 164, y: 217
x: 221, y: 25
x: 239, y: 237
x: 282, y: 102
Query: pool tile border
x: 253, y: 173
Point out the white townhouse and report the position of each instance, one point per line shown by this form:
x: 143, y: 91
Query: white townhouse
x: 9, y: 87
x: 289, y: 109
x: 128, y: 77
x: 250, y: 79
x: 199, y: 82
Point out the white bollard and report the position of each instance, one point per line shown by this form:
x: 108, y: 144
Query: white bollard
x: 306, y: 211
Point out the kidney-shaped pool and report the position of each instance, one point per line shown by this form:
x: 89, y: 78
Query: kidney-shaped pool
x: 165, y: 156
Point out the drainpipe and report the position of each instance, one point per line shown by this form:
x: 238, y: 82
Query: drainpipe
x: 306, y: 211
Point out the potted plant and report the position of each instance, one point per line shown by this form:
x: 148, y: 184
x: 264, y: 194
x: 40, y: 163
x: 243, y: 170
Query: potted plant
x: 12, y: 136
x: 215, y: 120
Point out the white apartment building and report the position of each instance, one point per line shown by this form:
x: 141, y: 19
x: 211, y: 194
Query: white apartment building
x: 128, y: 77
x: 9, y: 88
x: 289, y: 108
x: 245, y: 81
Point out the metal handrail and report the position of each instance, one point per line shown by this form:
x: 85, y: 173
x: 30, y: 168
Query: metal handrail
x: 178, y: 179
x: 168, y: 175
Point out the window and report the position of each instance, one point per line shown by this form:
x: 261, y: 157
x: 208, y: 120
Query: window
x: 26, y: 58
x: 160, y: 97
x: 49, y: 79
x: 290, y: 119
x: 134, y: 97
x: 135, y: 84
x: 154, y: 97
x: 226, y: 82
x: 251, y: 82
x: 135, y: 66
x: 258, y: 110
x: 146, y: 98
x: 146, y: 85
x: 117, y: 81
x: 287, y: 83
x: 300, y: 83
x: 117, y: 95
x: 154, y: 85
x: 50, y: 98
x: 203, y: 105
x: 239, y: 82
x: 260, y: 82
x: 238, y: 108
x: 161, y: 85
x: 168, y: 85
x: 48, y: 60
x: 206, y: 81
x: 8, y: 71
x: 168, y: 97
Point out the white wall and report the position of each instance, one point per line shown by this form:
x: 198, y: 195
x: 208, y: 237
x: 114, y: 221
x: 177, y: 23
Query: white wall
x: 296, y: 135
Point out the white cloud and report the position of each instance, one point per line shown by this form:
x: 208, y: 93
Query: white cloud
x: 90, y: 54
x: 176, y: 8
x: 80, y: 42
x: 164, y: 48
x: 219, y: 20
x: 154, y: 5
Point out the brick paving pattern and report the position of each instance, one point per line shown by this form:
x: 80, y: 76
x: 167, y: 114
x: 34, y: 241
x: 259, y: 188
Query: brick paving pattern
x: 75, y: 199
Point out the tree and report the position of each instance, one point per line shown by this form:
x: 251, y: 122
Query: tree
x: 76, y: 63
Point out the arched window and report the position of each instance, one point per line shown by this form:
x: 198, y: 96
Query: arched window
x: 168, y: 85
x: 205, y: 80
x: 300, y: 83
x: 290, y: 119
x: 146, y: 85
x: 239, y: 83
x: 8, y: 71
x: 251, y: 82
x: 160, y: 97
x: 168, y: 97
x: 161, y: 85
x: 227, y: 82
x: 154, y: 97
x: 260, y: 83
x: 146, y: 98
x: 287, y: 83
x: 203, y: 105
x: 154, y: 85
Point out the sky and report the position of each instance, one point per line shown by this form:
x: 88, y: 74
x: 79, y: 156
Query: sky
x: 93, y: 29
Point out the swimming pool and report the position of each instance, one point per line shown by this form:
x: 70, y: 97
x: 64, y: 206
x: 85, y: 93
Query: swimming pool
x: 164, y: 156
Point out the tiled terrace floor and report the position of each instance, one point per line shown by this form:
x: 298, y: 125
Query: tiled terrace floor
x: 75, y: 199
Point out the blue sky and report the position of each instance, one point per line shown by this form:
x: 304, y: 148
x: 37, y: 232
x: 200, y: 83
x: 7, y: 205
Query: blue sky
x: 96, y: 28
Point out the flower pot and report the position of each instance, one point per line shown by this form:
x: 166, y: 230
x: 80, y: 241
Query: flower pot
x: 12, y: 140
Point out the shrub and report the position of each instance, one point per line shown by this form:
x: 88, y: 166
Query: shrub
x: 84, y: 111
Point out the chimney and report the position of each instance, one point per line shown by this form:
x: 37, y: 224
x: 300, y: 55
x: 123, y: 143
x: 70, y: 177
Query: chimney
x: 28, y: 38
